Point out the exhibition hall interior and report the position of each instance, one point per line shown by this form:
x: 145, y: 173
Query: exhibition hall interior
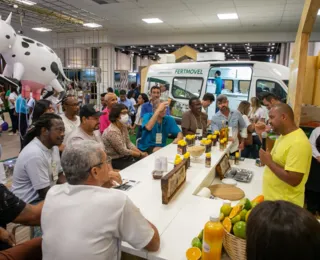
x: 159, y: 129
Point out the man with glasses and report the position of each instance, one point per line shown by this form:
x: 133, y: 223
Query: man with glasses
x: 70, y: 118
x: 89, y: 130
x: 93, y: 221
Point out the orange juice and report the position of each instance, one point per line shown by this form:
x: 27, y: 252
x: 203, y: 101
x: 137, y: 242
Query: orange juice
x: 212, y: 239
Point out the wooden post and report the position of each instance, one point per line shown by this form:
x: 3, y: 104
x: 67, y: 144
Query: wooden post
x: 299, y: 57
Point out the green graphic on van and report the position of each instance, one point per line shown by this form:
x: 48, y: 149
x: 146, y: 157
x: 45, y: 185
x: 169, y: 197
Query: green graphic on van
x: 189, y: 71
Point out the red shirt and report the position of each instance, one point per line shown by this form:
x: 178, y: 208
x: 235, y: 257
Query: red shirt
x: 104, y: 120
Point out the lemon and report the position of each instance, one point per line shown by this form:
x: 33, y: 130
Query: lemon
x: 243, y: 214
x: 200, y: 236
x: 246, y: 203
x: 239, y: 229
x: 221, y: 216
x: 226, y: 209
x: 247, y: 215
x: 196, y: 243
x: 253, y: 204
x: 236, y: 219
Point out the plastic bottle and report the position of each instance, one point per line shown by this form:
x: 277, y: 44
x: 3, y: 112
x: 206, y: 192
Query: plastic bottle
x: 212, y: 239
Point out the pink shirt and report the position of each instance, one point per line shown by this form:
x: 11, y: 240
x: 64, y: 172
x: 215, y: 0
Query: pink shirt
x: 104, y: 120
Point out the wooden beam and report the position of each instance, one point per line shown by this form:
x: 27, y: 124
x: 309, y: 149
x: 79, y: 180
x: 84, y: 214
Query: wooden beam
x: 299, y: 57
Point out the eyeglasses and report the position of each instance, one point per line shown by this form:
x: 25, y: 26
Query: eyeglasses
x: 107, y: 161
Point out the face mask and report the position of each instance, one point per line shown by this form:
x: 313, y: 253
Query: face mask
x: 124, y: 119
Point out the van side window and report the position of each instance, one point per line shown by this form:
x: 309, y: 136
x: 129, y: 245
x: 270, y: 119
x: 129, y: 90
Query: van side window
x: 186, y: 88
x: 270, y: 86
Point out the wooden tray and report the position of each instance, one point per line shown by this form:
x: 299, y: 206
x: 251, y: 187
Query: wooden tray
x: 226, y: 192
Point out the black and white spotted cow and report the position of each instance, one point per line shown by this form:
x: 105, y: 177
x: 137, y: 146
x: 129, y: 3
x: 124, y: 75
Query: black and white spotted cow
x: 32, y: 63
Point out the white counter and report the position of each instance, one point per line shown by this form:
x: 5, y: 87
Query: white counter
x: 186, y: 214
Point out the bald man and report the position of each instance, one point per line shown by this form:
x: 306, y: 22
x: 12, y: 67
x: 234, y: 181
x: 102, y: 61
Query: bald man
x: 288, y: 164
x: 110, y: 100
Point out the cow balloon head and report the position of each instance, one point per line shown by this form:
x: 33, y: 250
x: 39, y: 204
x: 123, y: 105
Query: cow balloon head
x: 7, y: 34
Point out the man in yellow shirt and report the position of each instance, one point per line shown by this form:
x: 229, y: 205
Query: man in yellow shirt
x: 288, y: 165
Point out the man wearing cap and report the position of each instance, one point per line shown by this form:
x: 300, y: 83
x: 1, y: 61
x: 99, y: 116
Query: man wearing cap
x: 89, y: 130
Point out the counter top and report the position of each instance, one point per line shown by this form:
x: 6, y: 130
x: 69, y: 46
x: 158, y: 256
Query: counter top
x: 186, y: 214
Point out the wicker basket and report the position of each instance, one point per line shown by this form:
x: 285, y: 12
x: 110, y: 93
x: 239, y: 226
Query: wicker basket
x: 235, y: 246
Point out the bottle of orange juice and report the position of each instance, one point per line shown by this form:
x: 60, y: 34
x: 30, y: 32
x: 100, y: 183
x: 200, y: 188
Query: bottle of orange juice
x: 212, y: 239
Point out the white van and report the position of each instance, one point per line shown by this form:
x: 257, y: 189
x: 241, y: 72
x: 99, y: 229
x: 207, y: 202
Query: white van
x: 242, y: 80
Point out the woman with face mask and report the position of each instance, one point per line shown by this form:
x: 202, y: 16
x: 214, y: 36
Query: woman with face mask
x: 116, y: 139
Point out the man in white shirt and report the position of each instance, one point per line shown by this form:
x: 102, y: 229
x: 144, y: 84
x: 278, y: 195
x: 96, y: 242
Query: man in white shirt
x: 82, y: 220
x: 70, y: 117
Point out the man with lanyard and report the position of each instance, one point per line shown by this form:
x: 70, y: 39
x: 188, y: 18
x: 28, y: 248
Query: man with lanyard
x: 288, y: 164
x: 154, y: 98
x: 194, y: 122
x: 235, y: 121
x: 156, y: 127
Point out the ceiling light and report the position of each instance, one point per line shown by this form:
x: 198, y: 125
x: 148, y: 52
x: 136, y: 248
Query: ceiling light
x: 26, y: 2
x: 223, y: 47
x: 196, y: 45
x: 41, y: 29
x: 140, y: 49
x: 15, y: 6
x: 319, y: 12
x: 227, y: 16
x: 225, y: 44
x: 159, y: 49
x: 172, y: 45
x: 219, y: 44
x: 92, y: 25
x: 166, y: 50
x: 205, y: 45
x: 152, y: 20
x: 271, y: 60
x: 151, y: 46
x: 273, y: 44
x: 272, y: 47
x: 201, y: 48
x: 269, y: 44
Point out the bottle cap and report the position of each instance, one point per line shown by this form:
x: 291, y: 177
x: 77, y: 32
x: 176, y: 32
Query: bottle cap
x: 215, y: 217
x: 227, y: 202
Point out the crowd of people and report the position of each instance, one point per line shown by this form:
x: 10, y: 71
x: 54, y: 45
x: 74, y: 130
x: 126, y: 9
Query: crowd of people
x: 69, y: 162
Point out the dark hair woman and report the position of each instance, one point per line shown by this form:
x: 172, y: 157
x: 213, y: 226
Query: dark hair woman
x: 280, y: 230
x: 142, y: 98
x: 116, y: 139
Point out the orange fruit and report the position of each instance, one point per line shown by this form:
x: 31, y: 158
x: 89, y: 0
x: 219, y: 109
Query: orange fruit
x: 239, y: 229
x: 193, y: 253
x: 235, y: 211
x: 258, y: 199
x: 227, y: 224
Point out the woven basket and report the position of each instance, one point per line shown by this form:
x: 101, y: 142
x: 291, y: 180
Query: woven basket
x: 235, y: 246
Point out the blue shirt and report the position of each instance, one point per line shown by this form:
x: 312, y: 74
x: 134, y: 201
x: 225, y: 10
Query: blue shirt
x: 128, y: 104
x: 219, y: 84
x: 21, y: 105
x: 235, y: 120
x: 148, y: 108
x: 148, y: 138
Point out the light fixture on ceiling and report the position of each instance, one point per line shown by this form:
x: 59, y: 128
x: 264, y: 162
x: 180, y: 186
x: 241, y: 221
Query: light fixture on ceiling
x: 219, y: 44
x: 152, y: 20
x: 226, y: 44
x: 92, y: 25
x: 26, y: 2
x: 196, y: 45
x: 231, y: 16
x: 319, y: 12
x: 273, y: 44
x: 271, y: 60
x: 201, y: 48
x: 166, y: 51
x: 205, y: 45
x: 272, y: 47
x: 41, y: 29
x: 223, y: 47
x: 269, y: 44
x: 15, y: 6
x: 151, y: 46
x: 159, y: 49
x: 172, y: 45
x: 140, y: 49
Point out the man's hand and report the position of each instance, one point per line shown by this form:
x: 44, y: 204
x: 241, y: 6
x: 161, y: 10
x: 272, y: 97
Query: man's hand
x: 144, y: 154
x: 241, y: 146
x: 162, y: 106
x: 7, y: 237
x: 260, y: 127
x: 318, y: 159
x: 265, y: 157
x: 115, y: 176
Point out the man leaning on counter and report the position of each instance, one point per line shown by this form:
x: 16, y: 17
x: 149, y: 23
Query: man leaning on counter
x: 288, y: 164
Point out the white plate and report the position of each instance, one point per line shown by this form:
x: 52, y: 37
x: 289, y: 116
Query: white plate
x: 229, y: 181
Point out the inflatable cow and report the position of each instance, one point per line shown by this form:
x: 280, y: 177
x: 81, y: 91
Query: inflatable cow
x: 32, y: 63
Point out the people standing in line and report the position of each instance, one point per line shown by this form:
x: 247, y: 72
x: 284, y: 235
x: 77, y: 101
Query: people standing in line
x: 154, y: 98
x: 117, y: 142
x: 156, y: 127
x: 288, y: 164
x: 218, y: 81
x: 12, y: 110
x: 235, y: 121
x: 22, y: 112
x: 110, y: 100
x: 194, y: 121
x: 114, y: 216
x: 279, y: 230
x: 249, y: 150
x: 313, y: 184
x: 143, y: 98
x: 70, y: 118
x: 38, y: 165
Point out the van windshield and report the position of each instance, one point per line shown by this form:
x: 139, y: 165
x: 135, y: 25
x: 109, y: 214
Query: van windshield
x: 286, y: 82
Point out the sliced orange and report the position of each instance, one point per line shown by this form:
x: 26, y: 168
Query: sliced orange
x: 259, y: 199
x: 235, y: 211
x: 193, y: 253
x: 227, y: 224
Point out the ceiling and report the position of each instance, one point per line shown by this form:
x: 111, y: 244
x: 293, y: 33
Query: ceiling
x: 179, y: 16
x: 248, y: 51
